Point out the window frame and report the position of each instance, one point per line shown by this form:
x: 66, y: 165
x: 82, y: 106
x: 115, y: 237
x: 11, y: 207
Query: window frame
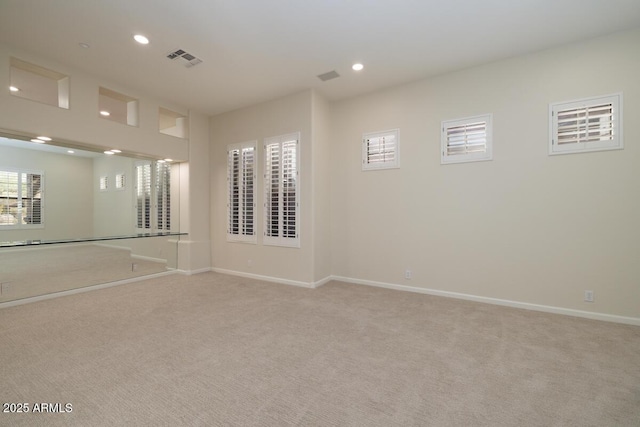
x: 486, y: 155
x: 243, y: 235
x: 384, y: 164
x: 615, y: 143
x: 19, y: 197
x: 268, y: 174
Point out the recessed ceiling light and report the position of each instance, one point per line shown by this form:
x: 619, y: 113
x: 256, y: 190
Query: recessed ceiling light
x: 37, y: 141
x: 116, y: 151
x: 161, y: 161
x: 105, y: 113
x: 141, y: 39
x: 84, y: 45
x: 168, y: 160
x: 109, y: 152
x: 357, y: 67
x: 13, y: 89
x: 44, y: 138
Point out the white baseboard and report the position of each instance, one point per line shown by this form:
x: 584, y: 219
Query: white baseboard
x: 191, y: 272
x: 507, y: 303
x: 310, y: 285
x: 148, y: 258
x: 111, y: 246
x: 83, y: 289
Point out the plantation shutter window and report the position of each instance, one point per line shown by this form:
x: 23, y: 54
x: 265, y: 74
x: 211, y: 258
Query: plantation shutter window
x: 153, y: 196
x: 120, y: 181
x: 466, y: 140
x: 143, y: 197
x: 592, y: 124
x: 163, y: 196
x: 282, y: 191
x: 21, y: 195
x: 380, y: 150
x: 241, y: 179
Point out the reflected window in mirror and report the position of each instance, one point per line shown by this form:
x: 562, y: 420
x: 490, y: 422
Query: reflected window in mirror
x: 21, y: 196
x: 120, y: 181
x: 153, y: 196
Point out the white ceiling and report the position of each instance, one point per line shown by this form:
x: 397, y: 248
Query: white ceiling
x: 257, y: 50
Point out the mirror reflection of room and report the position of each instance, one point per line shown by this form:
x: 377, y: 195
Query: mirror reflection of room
x: 104, y: 205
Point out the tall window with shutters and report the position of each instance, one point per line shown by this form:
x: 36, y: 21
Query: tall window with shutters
x: 282, y: 190
x: 21, y: 196
x: 153, y: 197
x: 163, y: 195
x: 591, y: 124
x: 467, y: 140
x: 241, y: 182
x: 381, y: 150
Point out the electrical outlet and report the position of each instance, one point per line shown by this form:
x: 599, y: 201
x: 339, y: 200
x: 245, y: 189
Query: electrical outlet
x: 5, y: 287
x: 408, y: 274
x: 588, y: 296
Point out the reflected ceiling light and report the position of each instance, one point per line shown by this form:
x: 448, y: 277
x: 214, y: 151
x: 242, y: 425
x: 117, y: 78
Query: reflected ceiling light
x: 70, y: 151
x: 13, y: 89
x: 84, y: 45
x: 141, y: 39
x: 357, y: 67
x: 37, y: 141
x: 109, y: 152
x: 116, y: 151
x: 44, y: 138
x: 105, y: 113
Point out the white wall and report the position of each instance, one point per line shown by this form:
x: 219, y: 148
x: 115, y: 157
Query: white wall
x: 68, y: 203
x: 525, y: 227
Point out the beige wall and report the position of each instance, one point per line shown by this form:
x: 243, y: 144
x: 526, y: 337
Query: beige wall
x: 321, y: 187
x: 81, y: 124
x: 81, y: 121
x: 278, y: 117
x: 68, y: 205
x: 525, y: 227
x: 114, y: 213
x: 195, y: 196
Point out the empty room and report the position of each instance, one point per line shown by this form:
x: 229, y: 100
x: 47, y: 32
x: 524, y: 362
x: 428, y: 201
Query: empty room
x: 330, y: 213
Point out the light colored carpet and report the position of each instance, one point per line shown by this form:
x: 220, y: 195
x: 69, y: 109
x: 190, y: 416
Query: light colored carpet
x: 29, y: 272
x: 217, y: 350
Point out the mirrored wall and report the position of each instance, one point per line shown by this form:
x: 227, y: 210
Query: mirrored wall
x: 73, y: 216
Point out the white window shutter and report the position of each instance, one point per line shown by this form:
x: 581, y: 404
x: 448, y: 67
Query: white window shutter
x: 466, y: 140
x: 241, y: 180
x: 282, y: 191
x: 381, y: 150
x: 591, y: 124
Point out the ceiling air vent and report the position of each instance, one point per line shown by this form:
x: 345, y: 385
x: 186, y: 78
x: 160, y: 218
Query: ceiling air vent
x: 188, y: 59
x: 328, y: 76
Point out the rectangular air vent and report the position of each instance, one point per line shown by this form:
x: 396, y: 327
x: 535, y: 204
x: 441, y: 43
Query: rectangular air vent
x: 188, y: 59
x: 328, y: 76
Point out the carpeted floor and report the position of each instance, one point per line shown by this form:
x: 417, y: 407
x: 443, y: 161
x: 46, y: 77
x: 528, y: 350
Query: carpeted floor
x: 216, y: 350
